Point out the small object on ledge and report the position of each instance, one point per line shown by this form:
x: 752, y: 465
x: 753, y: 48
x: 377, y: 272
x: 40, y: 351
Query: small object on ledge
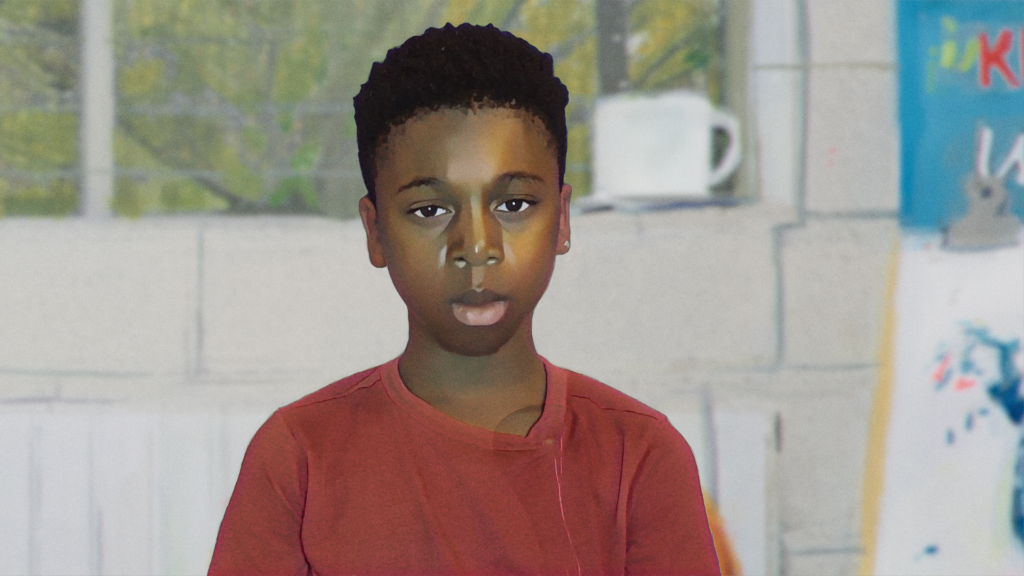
x: 657, y: 148
x: 988, y: 222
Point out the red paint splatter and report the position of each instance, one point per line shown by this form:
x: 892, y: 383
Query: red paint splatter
x: 940, y: 372
x: 830, y: 161
x: 964, y: 384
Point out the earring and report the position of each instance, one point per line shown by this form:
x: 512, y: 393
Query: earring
x: 566, y: 243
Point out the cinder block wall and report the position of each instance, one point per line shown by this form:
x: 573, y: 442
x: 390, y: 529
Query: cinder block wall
x: 836, y: 265
x: 775, y: 306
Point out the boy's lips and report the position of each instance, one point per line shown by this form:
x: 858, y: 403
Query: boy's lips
x: 482, y: 308
x: 473, y: 298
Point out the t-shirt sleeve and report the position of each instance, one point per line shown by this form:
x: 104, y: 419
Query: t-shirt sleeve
x: 261, y: 530
x: 667, y: 531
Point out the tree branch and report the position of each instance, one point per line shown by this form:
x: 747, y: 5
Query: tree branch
x: 235, y: 202
x: 670, y: 52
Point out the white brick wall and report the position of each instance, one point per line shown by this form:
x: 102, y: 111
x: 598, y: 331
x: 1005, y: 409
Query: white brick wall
x: 80, y: 297
x: 626, y: 301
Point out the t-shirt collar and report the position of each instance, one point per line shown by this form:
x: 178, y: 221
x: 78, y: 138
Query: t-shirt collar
x: 547, y: 430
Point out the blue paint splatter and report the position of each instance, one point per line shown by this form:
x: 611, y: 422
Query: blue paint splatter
x: 929, y: 550
x: 950, y: 436
x: 982, y: 411
x: 1006, y: 392
x: 969, y: 422
x: 967, y: 364
x: 943, y: 373
x: 1017, y: 512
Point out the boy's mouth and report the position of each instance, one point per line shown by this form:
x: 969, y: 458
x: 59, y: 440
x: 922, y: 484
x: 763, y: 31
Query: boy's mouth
x: 482, y: 308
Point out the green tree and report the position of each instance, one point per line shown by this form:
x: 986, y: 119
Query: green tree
x: 244, y: 106
x: 38, y: 104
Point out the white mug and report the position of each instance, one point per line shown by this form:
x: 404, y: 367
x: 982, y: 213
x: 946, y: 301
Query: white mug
x: 658, y: 148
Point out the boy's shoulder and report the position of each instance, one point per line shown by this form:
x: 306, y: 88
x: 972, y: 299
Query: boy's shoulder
x: 583, y: 390
x: 360, y: 381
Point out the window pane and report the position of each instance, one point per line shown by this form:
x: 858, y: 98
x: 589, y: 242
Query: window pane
x: 38, y: 107
x: 245, y: 106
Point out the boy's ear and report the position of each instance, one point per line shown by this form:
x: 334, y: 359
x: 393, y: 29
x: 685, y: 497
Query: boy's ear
x: 368, y: 214
x: 563, y: 219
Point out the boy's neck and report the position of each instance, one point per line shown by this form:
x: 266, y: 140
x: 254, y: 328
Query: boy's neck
x: 492, y: 392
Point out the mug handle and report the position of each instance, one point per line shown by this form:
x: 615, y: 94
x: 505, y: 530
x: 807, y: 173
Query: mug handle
x: 731, y: 159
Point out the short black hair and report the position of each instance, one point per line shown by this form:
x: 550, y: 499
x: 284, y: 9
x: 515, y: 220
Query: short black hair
x: 457, y: 67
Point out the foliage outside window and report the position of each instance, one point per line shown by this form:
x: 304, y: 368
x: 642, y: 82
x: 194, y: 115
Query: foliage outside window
x: 38, y: 107
x: 244, y: 106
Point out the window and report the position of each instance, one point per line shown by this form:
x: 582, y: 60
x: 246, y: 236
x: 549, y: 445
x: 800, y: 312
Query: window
x: 38, y: 107
x: 244, y: 106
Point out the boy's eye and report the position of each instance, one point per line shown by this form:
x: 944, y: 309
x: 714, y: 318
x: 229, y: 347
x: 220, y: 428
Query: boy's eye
x: 514, y: 205
x: 428, y: 211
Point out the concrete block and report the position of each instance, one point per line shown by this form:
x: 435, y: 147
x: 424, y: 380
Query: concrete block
x: 823, y: 563
x: 816, y: 460
x: 775, y: 33
x: 117, y: 488
x: 851, y: 32
x: 63, y: 531
x: 650, y: 293
x: 22, y: 388
x: 256, y: 393
x: 16, y: 486
x: 852, y: 140
x: 92, y: 388
x: 123, y: 495
x: 835, y: 279
x: 187, y: 455
x: 778, y: 98
x: 112, y: 297
x: 745, y: 478
x: 682, y: 388
x: 296, y: 296
x: 823, y: 439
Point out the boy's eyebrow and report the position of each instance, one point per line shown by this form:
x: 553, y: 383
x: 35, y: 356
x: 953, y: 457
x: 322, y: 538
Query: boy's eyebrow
x: 416, y: 183
x: 503, y: 179
x: 510, y: 176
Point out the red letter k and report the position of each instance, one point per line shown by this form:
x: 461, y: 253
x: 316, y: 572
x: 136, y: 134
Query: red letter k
x: 996, y: 57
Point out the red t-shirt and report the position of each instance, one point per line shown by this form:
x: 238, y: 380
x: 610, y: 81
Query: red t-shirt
x: 363, y: 477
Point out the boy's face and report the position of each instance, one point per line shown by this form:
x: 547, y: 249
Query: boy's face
x: 468, y: 219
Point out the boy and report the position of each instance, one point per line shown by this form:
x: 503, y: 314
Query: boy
x: 470, y: 453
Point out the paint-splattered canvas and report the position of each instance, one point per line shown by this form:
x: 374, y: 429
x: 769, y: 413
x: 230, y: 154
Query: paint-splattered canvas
x: 945, y: 484
x: 953, y: 496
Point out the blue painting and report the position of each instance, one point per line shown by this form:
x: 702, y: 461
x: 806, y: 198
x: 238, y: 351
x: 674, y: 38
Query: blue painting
x: 961, y: 73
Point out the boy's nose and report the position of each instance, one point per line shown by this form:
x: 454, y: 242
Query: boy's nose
x: 475, y: 239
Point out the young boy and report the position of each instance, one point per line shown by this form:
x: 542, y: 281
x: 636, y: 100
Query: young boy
x: 470, y: 453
